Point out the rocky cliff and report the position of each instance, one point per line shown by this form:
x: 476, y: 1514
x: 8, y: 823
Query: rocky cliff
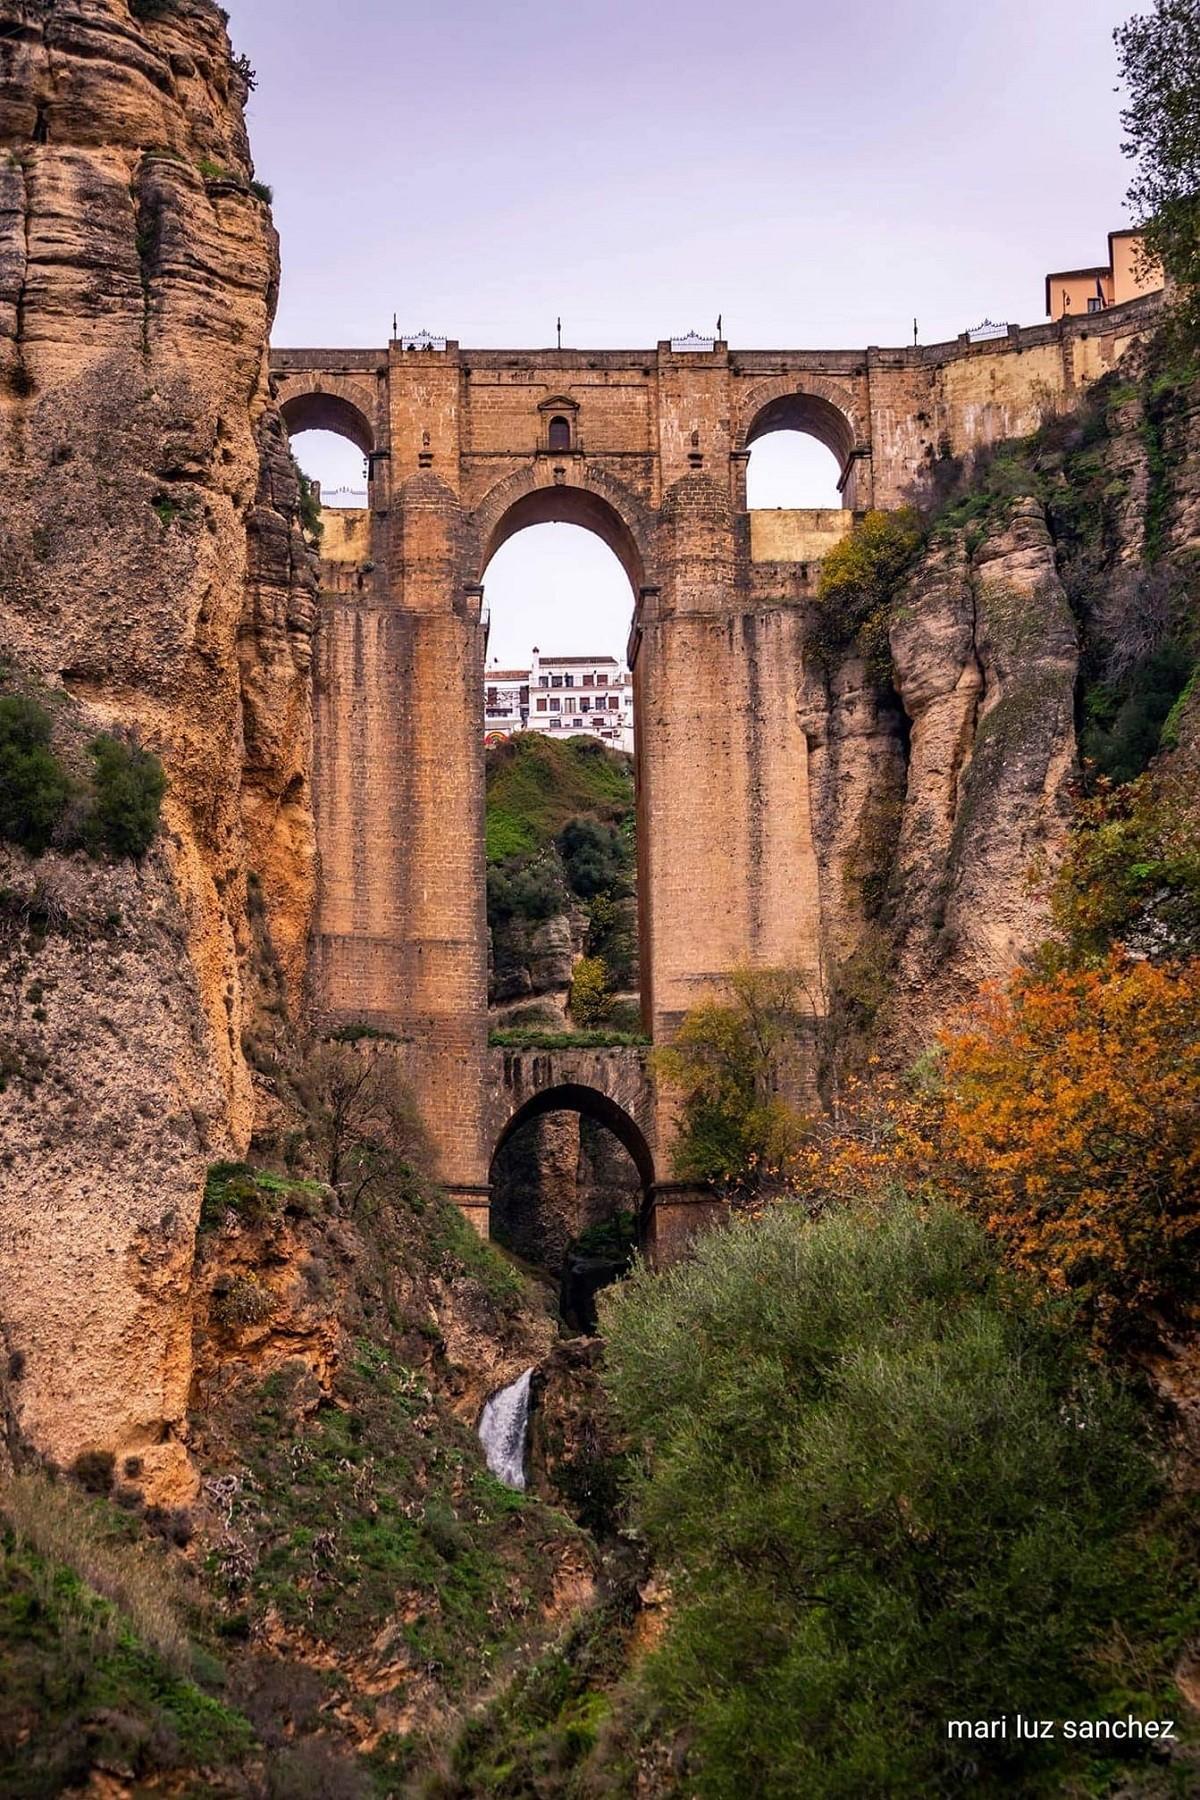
x: 152, y: 579
x: 944, y: 770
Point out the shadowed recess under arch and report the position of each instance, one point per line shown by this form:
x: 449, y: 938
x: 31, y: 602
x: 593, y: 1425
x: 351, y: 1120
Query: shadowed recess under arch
x: 808, y: 413
x: 592, y: 1104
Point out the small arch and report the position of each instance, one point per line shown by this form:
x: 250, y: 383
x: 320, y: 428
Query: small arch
x: 317, y: 410
x: 560, y: 433
x: 808, y: 413
x: 570, y: 1096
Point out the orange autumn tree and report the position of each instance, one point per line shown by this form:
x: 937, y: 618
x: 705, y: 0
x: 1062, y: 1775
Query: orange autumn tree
x: 1070, y: 1124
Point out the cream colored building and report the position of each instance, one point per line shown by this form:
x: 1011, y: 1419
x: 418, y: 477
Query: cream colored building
x: 562, y: 696
x: 1125, y: 276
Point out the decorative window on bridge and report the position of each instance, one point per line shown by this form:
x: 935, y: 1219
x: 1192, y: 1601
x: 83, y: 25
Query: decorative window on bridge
x: 560, y: 433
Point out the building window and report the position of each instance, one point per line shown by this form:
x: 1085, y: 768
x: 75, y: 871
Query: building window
x: 556, y: 681
x: 614, y: 701
x: 602, y: 681
x: 585, y: 704
x: 554, y: 705
x: 560, y: 433
x: 568, y: 681
x: 1095, y: 304
x: 541, y: 706
x: 543, y: 681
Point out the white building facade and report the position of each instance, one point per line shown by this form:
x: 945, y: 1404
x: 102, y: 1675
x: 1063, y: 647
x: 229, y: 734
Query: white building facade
x: 562, y: 696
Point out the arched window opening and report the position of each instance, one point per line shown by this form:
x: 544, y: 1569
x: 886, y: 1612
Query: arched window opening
x: 560, y: 433
x: 335, y: 465
x: 567, y: 1198
x: 792, y: 470
x: 557, y: 714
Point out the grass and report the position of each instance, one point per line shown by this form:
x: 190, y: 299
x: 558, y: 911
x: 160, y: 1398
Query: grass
x: 95, y: 1667
x: 375, y: 1511
x: 255, y: 1196
x: 538, y: 1037
x: 536, y: 784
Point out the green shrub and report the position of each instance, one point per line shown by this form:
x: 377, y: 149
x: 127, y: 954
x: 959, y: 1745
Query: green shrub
x: 255, y: 1196
x: 595, y: 857
x: 727, y: 1066
x: 859, y: 581
x: 34, y: 788
x: 129, y: 788
x: 1125, y: 720
x: 526, y: 890
x: 311, y: 521
x: 886, y: 1493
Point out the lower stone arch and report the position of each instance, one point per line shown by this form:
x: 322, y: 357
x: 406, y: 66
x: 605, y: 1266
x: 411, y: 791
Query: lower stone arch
x: 590, y: 1103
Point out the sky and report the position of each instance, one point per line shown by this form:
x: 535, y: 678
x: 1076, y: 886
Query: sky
x: 819, y: 175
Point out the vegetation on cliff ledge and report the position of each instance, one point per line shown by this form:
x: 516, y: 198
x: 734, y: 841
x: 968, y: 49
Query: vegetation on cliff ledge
x: 61, y: 790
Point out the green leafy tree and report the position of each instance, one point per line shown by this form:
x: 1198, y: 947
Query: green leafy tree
x: 34, y: 788
x: 1126, y: 718
x: 886, y: 1492
x: 129, y: 788
x: 1159, y: 56
x: 595, y: 857
x: 729, y: 1066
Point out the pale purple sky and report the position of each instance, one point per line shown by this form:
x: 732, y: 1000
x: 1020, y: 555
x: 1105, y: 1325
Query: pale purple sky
x: 818, y: 174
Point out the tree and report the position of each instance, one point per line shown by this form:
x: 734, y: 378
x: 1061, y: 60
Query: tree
x: 885, y: 1491
x: 1071, y: 1126
x: 731, y: 1066
x: 366, y: 1124
x: 595, y: 858
x: 34, y: 787
x: 591, y: 1000
x: 1159, y: 56
x: 130, y: 785
x: 859, y: 580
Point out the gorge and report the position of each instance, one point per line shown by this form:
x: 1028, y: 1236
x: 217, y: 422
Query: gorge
x: 293, y: 1024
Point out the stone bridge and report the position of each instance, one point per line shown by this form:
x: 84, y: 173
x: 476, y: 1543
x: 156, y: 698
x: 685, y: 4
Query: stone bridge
x: 648, y: 449
x: 613, y: 1086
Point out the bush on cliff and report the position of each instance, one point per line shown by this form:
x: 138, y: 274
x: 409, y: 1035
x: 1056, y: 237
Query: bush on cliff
x: 596, y: 858
x: 859, y: 581
x: 590, y: 1001
x: 34, y: 786
x: 886, y: 1493
x: 129, y: 784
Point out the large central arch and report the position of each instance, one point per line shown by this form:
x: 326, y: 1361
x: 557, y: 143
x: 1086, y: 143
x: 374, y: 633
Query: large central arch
x: 588, y: 499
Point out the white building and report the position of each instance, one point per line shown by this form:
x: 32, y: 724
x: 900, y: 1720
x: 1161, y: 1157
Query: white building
x: 561, y: 696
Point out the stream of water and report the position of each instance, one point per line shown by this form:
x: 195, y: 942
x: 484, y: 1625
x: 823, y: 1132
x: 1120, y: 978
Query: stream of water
x: 503, y: 1430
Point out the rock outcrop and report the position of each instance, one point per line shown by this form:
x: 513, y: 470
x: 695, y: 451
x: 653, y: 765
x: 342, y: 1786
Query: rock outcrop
x: 154, y: 579
x: 985, y: 654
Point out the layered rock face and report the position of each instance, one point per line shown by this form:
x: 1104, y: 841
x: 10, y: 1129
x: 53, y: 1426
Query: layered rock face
x: 985, y: 654
x: 941, y: 791
x: 152, y: 578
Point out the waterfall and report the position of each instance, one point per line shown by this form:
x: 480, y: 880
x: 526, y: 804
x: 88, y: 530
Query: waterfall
x: 503, y: 1429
